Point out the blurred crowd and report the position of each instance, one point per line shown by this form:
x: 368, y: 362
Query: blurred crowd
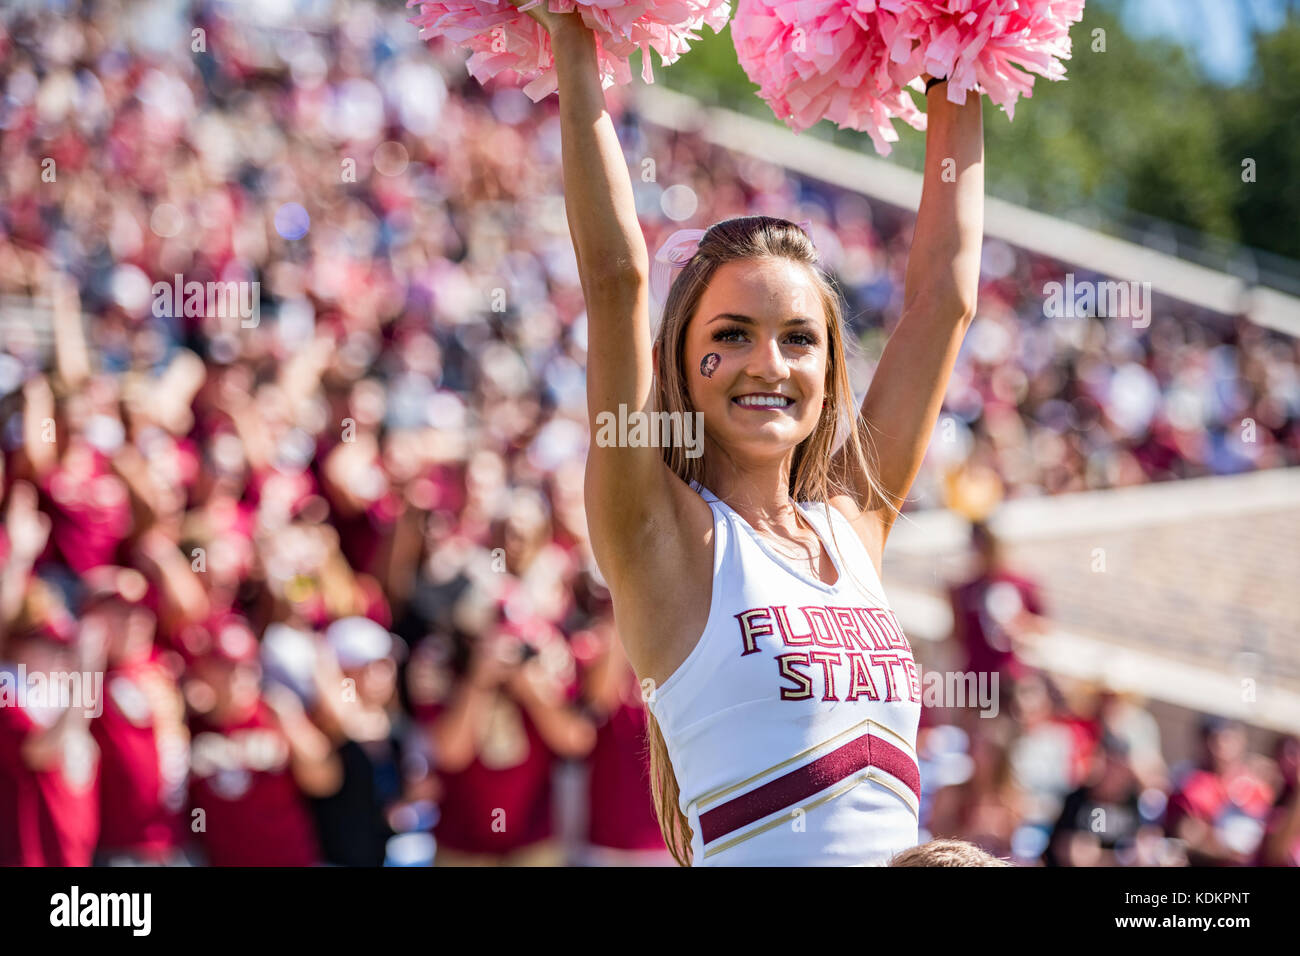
x: 331, y: 560
x: 1066, y: 772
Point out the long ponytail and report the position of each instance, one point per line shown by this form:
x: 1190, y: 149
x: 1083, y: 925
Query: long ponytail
x: 673, y: 824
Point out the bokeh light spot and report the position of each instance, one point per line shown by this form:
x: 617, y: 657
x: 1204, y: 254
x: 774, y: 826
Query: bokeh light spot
x: 166, y: 221
x: 679, y: 203
x: 292, y: 221
x: 391, y: 158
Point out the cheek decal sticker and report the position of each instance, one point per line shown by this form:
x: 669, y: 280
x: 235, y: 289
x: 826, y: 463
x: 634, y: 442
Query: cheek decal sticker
x: 709, y: 364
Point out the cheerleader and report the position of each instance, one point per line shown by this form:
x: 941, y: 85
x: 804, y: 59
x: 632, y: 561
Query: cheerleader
x: 783, y: 696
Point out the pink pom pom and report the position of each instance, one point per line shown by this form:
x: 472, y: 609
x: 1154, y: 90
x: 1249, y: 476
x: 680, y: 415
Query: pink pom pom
x: 853, y: 61
x: 502, y: 37
x: 828, y: 59
x: 978, y: 44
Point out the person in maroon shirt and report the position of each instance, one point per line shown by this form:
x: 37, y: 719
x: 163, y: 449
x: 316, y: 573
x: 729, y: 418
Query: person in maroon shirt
x: 496, y: 731
x: 253, y: 757
x: 143, y: 741
x: 74, y: 465
x: 49, y: 803
x: 622, y: 829
x: 993, y: 613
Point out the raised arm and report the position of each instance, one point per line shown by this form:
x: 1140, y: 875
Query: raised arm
x: 626, y: 489
x: 597, y: 188
x: 902, y: 405
x: 29, y: 530
x: 71, y: 355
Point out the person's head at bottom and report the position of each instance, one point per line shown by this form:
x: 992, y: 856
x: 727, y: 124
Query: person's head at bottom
x: 946, y: 853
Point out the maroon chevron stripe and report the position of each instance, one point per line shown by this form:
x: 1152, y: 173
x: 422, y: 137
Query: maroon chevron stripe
x: 812, y: 778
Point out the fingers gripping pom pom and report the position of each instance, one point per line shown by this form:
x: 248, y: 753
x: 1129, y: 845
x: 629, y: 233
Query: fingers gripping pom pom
x: 501, y: 37
x: 986, y: 45
x: 853, y: 61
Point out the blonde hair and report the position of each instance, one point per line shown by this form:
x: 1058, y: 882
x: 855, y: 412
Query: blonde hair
x: 815, y: 475
x: 947, y: 852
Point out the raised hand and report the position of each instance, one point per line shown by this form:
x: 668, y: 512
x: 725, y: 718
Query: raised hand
x: 28, y: 527
x: 551, y: 22
x: 494, y: 659
x: 284, y: 703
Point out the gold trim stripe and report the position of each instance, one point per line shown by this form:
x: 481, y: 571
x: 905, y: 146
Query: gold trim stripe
x: 902, y: 743
x: 888, y: 780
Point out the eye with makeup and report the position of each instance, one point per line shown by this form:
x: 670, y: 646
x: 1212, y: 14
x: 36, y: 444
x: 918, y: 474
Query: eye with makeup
x: 808, y: 340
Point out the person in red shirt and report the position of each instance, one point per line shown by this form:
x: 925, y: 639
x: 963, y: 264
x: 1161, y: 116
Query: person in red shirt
x: 254, y: 755
x: 994, y: 610
x: 143, y: 741
x: 49, y: 802
x: 496, y: 731
x: 1219, y: 808
x: 75, y: 467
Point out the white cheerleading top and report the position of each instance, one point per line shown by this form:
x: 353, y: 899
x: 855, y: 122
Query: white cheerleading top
x: 791, y: 726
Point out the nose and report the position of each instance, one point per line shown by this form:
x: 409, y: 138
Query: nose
x: 766, y: 361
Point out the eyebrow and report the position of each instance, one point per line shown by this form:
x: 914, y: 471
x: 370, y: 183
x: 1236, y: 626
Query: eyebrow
x: 746, y: 320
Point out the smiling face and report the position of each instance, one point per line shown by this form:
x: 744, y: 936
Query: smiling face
x: 756, y: 356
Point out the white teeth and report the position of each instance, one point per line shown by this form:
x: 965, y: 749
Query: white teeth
x: 763, y: 400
